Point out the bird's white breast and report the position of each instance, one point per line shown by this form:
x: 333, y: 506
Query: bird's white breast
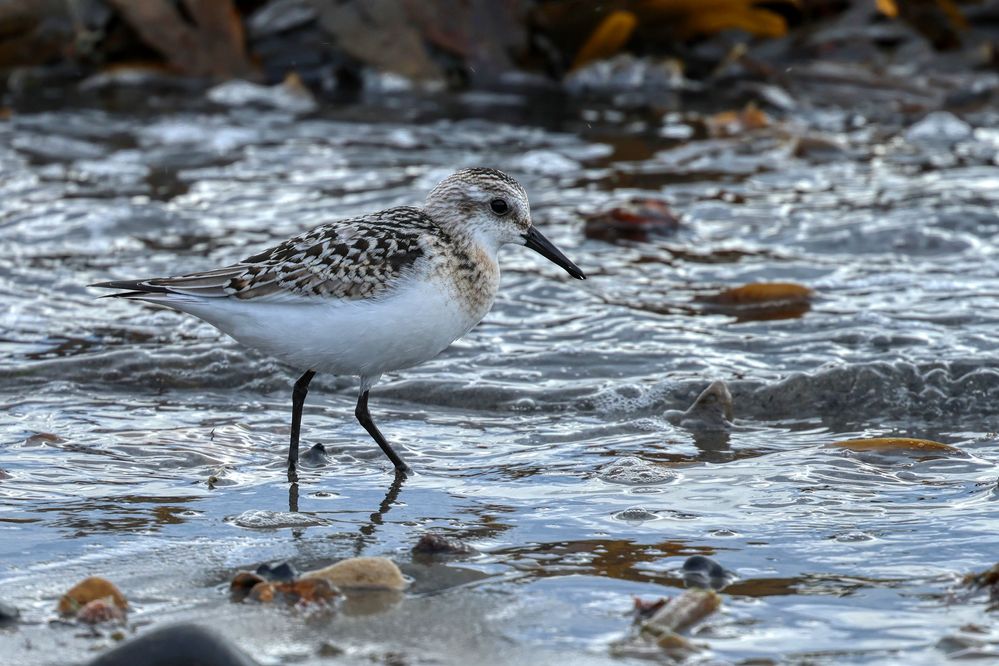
x: 362, y: 337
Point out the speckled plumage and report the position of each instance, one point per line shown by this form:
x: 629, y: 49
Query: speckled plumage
x: 359, y: 258
x: 369, y: 294
x: 351, y: 259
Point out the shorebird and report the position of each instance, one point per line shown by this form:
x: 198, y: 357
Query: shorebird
x: 365, y: 295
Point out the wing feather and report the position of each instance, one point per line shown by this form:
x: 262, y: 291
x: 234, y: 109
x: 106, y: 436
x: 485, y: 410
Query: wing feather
x: 351, y: 259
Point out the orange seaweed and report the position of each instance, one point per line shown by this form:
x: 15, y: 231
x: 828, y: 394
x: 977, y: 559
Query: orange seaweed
x: 762, y: 293
x: 608, y: 38
x: 895, y: 444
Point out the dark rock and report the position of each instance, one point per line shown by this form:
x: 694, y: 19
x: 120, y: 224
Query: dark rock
x: 284, y: 571
x: 327, y: 649
x: 700, y: 571
x: 438, y: 544
x: 177, y: 644
x: 8, y: 614
x: 315, y: 457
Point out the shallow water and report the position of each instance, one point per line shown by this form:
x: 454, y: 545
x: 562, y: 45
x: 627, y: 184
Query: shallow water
x: 539, y: 438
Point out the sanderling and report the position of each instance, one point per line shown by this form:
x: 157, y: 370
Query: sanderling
x: 369, y: 294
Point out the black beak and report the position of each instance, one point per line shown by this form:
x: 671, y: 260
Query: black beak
x: 535, y: 240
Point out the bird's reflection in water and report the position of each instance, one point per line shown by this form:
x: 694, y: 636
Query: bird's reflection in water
x: 714, y: 446
x: 377, y: 518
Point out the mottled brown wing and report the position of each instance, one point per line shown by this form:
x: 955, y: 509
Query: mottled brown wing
x: 349, y: 259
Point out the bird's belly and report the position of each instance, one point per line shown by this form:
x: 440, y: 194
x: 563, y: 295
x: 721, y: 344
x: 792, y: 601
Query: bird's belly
x: 363, y: 337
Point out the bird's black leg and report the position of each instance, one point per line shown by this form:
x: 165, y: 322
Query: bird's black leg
x: 297, y: 401
x: 364, y: 418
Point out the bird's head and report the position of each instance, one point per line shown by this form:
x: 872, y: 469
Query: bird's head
x: 492, y: 207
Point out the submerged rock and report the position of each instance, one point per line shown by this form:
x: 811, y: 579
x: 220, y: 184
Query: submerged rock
x: 636, y: 220
x: 91, y: 589
x: 711, y: 411
x: 635, y: 471
x: 263, y: 519
x: 374, y: 573
x: 636, y: 514
x: 760, y: 301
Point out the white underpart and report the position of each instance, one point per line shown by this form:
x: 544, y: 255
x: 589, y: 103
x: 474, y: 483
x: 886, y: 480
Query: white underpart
x: 413, y: 324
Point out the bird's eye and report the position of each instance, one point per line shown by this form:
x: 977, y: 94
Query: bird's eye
x: 499, y: 206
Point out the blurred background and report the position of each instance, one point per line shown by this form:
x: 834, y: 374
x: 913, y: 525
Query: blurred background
x: 719, y: 49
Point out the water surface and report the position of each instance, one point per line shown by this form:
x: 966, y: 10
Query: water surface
x: 115, y: 414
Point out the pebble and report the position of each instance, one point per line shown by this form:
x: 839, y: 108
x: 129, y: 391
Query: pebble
x: 375, y: 573
x: 242, y: 584
x: 99, y: 611
x: 304, y: 590
x: 703, y: 572
x: 438, y: 544
x: 91, y: 589
x: 315, y: 457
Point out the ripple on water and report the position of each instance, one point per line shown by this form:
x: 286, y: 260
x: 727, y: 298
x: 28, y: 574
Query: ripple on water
x: 131, y: 435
